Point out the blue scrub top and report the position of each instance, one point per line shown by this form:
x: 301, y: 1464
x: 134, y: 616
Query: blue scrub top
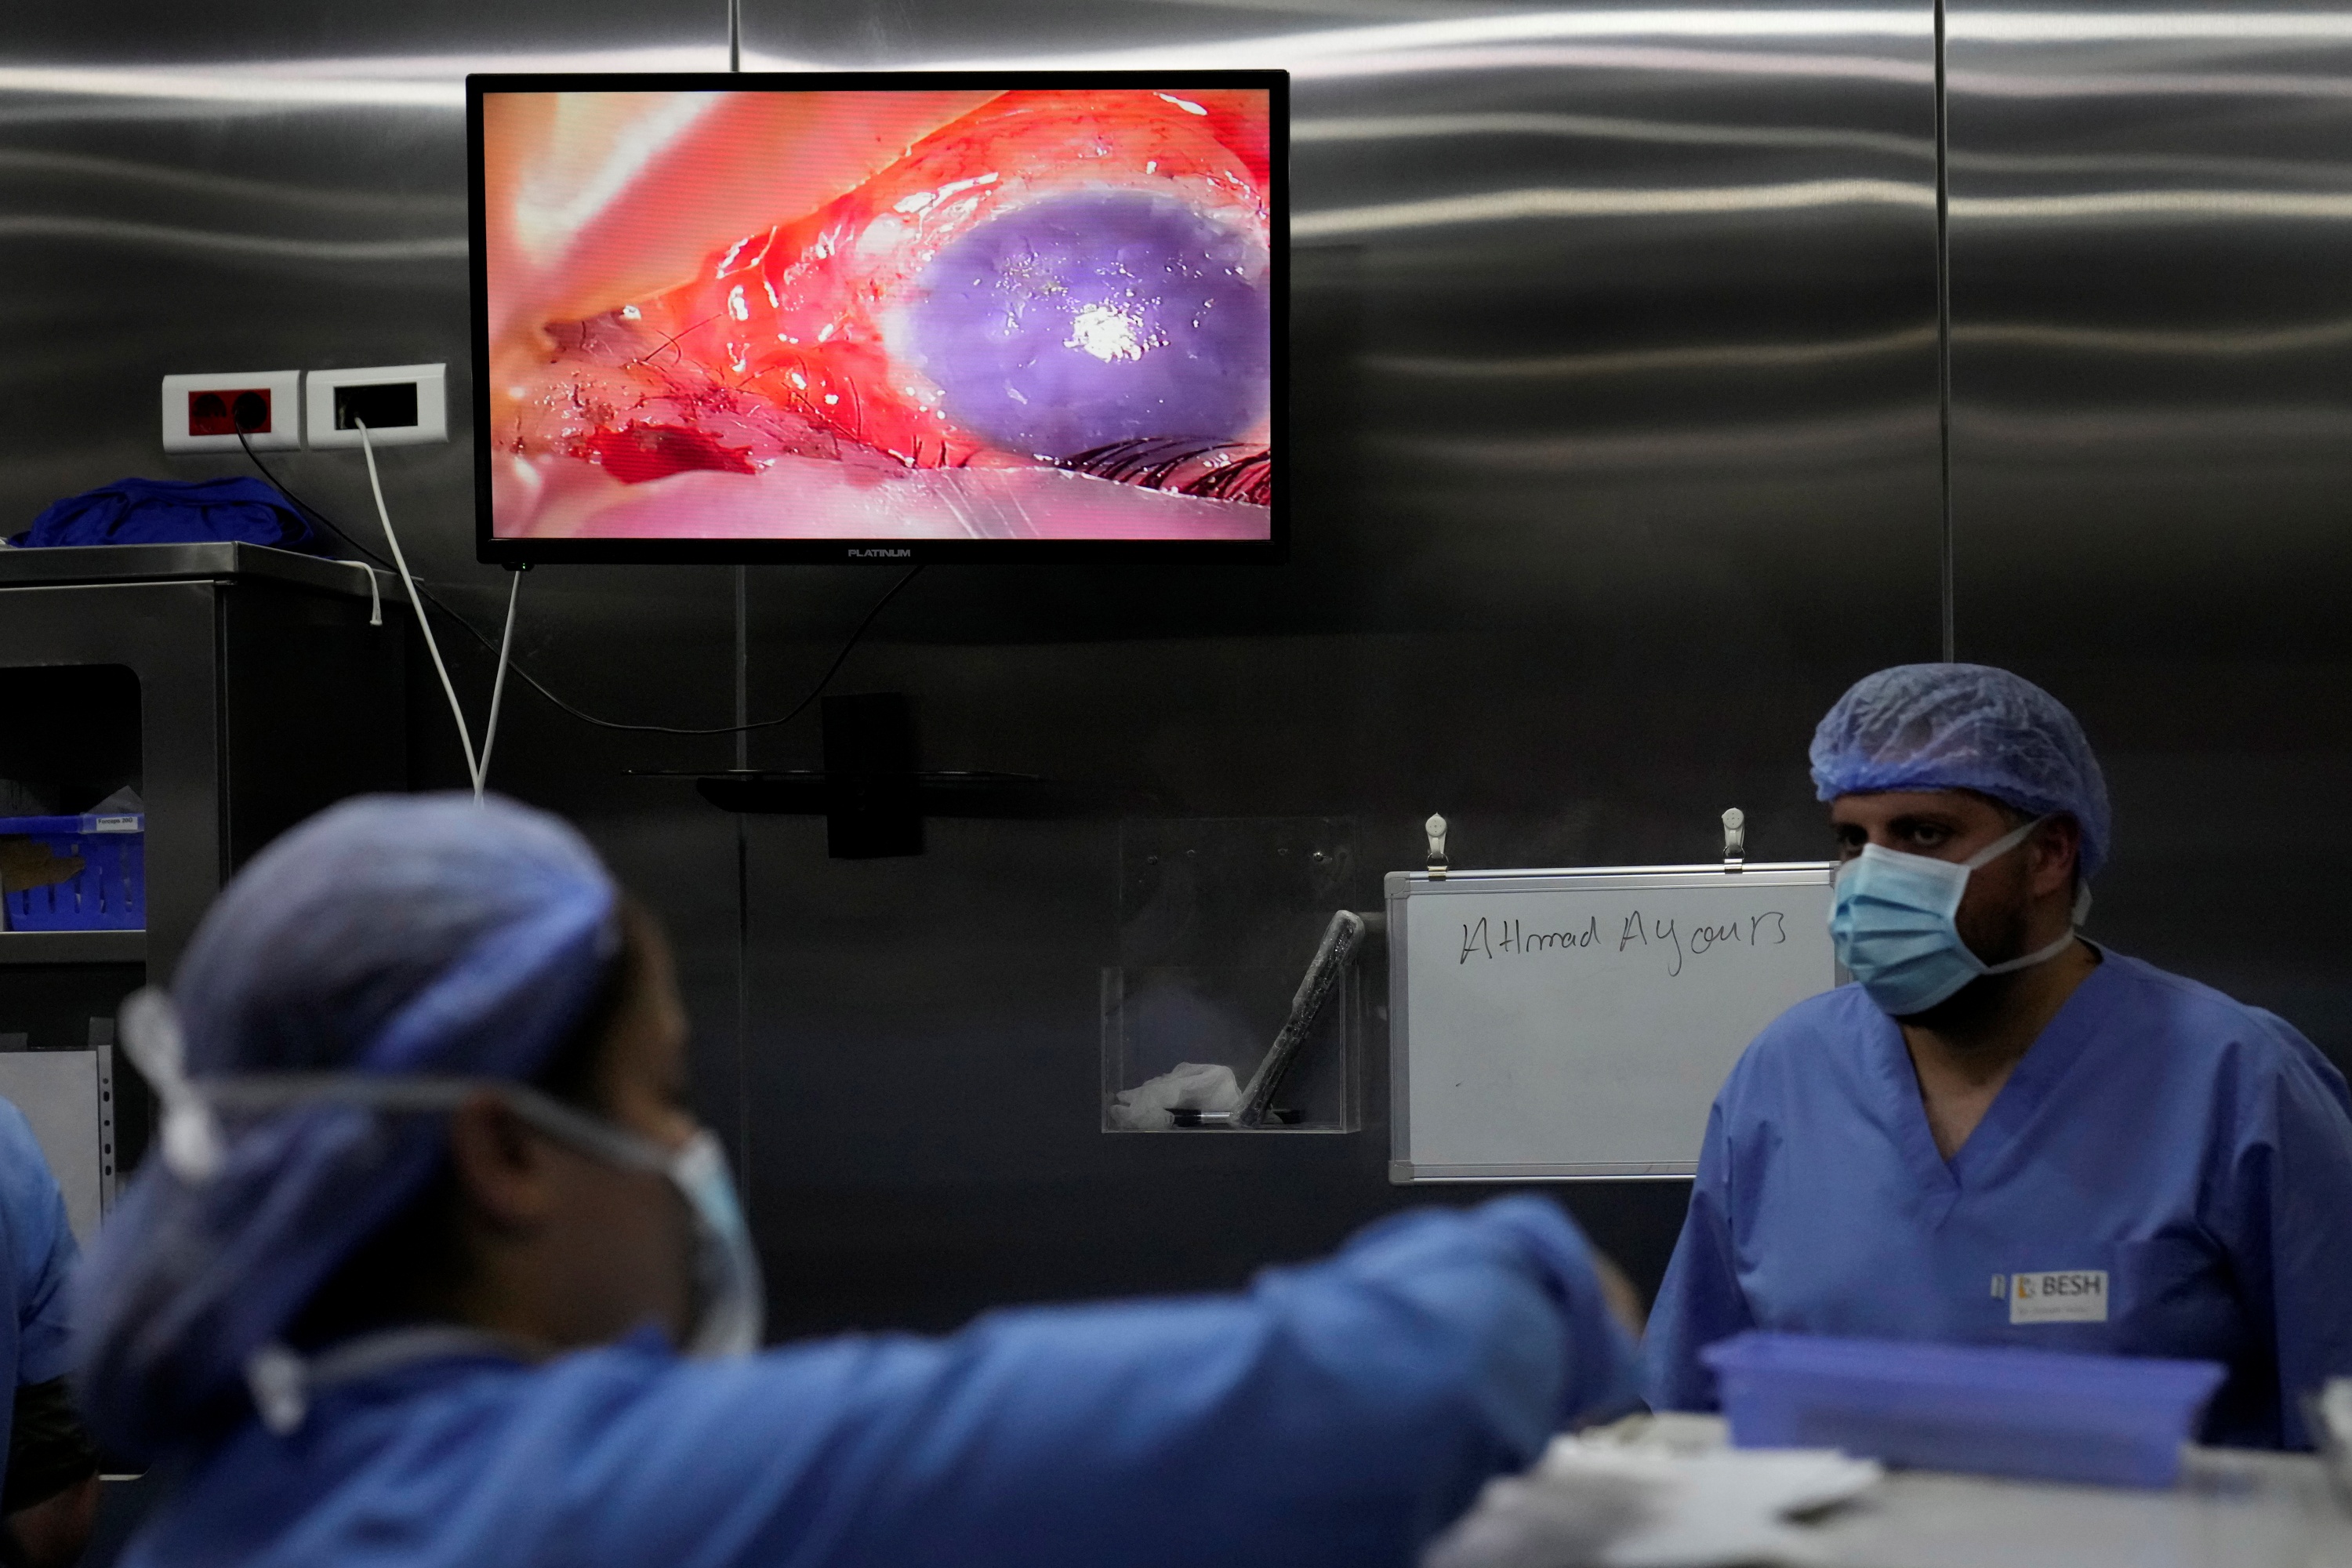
x: 1340, y: 1413
x: 36, y: 1253
x: 2195, y: 1152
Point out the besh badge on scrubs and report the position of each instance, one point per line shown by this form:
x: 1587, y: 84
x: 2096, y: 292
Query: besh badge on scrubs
x: 730, y: 1306
x: 1893, y: 922
x: 2054, y: 1296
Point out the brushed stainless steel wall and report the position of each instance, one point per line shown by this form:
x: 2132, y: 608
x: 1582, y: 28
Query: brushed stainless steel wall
x: 1616, y: 460
x: 2152, y: 451
x: 291, y: 192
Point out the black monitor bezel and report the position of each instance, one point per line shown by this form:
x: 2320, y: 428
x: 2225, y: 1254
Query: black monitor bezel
x: 754, y: 552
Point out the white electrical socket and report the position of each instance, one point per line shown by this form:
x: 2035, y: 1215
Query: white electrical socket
x: 203, y: 412
x: 402, y: 406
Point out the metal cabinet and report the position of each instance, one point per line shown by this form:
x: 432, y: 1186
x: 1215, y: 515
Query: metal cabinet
x: 237, y: 689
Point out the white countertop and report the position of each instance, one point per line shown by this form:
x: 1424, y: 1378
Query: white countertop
x: 2231, y: 1509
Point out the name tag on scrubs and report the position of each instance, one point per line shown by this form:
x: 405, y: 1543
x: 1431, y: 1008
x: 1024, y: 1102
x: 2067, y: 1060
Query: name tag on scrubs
x: 2059, y: 1296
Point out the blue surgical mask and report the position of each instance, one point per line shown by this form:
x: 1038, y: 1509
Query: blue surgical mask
x: 1892, y: 921
x: 731, y: 1305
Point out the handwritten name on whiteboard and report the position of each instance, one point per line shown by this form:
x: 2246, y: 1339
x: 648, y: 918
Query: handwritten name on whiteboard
x: 1499, y: 941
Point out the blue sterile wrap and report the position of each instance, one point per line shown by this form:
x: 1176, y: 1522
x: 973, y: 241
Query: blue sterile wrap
x: 173, y: 511
x: 401, y: 935
x: 1964, y: 726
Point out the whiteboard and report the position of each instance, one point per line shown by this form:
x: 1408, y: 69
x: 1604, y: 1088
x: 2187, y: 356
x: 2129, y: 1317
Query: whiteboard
x: 1548, y: 1024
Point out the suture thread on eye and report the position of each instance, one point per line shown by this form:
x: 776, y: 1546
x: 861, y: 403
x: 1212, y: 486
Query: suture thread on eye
x: 669, y: 342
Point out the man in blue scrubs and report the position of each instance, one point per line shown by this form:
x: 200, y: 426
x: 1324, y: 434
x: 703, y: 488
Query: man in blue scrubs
x: 2003, y: 1133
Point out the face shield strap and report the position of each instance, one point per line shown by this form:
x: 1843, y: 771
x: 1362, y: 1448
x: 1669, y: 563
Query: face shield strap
x: 195, y: 1145
x: 281, y: 1381
x: 195, y: 1148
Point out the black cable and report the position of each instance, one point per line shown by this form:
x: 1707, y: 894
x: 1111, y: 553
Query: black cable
x: 796, y: 712
x: 300, y: 505
x: 533, y: 681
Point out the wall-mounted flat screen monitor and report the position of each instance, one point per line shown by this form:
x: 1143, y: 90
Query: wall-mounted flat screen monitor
x: 922, y: 316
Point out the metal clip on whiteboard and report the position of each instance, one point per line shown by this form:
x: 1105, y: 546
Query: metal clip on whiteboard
x: 1435, y: 828
x: 1735, y: 839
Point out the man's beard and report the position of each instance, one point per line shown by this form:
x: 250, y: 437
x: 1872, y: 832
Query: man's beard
x: 1995, y: 936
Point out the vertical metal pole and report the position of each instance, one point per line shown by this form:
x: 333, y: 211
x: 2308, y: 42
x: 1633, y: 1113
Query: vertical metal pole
x: 1950, y: 586
x: 742, y: 889
x: 744, y: 1009
x: 742, y: 669
x: 742, y: 825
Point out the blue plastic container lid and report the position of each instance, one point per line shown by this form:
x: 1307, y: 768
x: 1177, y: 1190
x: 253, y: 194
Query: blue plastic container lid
x: 2082, y: 1381
x: 97, y: 822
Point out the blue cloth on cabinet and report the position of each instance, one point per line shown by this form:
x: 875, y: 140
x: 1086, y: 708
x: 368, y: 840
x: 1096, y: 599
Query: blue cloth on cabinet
x: 173, y: 511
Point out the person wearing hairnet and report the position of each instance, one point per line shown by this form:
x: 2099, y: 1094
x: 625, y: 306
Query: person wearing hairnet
x: 436, y: 1269
x: 2003, y: 1133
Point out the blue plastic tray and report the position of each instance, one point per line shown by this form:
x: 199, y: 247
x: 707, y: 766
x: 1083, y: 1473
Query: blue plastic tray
x: 2042, y: 1415
x: 108, y: 891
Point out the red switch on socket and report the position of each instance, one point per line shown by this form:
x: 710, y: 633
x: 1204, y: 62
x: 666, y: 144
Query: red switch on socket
x: 225, y: 413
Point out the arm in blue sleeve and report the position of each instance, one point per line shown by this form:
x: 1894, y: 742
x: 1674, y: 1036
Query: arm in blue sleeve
x: 2296, y: 1201
x: 1700, y: 1300
x: 1603, y: 1368
x: 1341, y: 1413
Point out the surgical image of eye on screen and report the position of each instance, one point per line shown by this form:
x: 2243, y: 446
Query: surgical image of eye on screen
x: 879, y: 314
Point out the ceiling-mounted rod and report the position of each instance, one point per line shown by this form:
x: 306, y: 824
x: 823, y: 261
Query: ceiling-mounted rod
x: 735, y: 35
x: 1949, y: 585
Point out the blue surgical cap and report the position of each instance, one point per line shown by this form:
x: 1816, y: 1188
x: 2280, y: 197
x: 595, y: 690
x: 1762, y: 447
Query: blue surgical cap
x: 1964, y: 726
x: 393, y: 934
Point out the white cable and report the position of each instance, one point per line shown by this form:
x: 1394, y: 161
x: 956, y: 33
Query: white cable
x: 499, y: 686
x: 375, y: 592
x: 473, y: 770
